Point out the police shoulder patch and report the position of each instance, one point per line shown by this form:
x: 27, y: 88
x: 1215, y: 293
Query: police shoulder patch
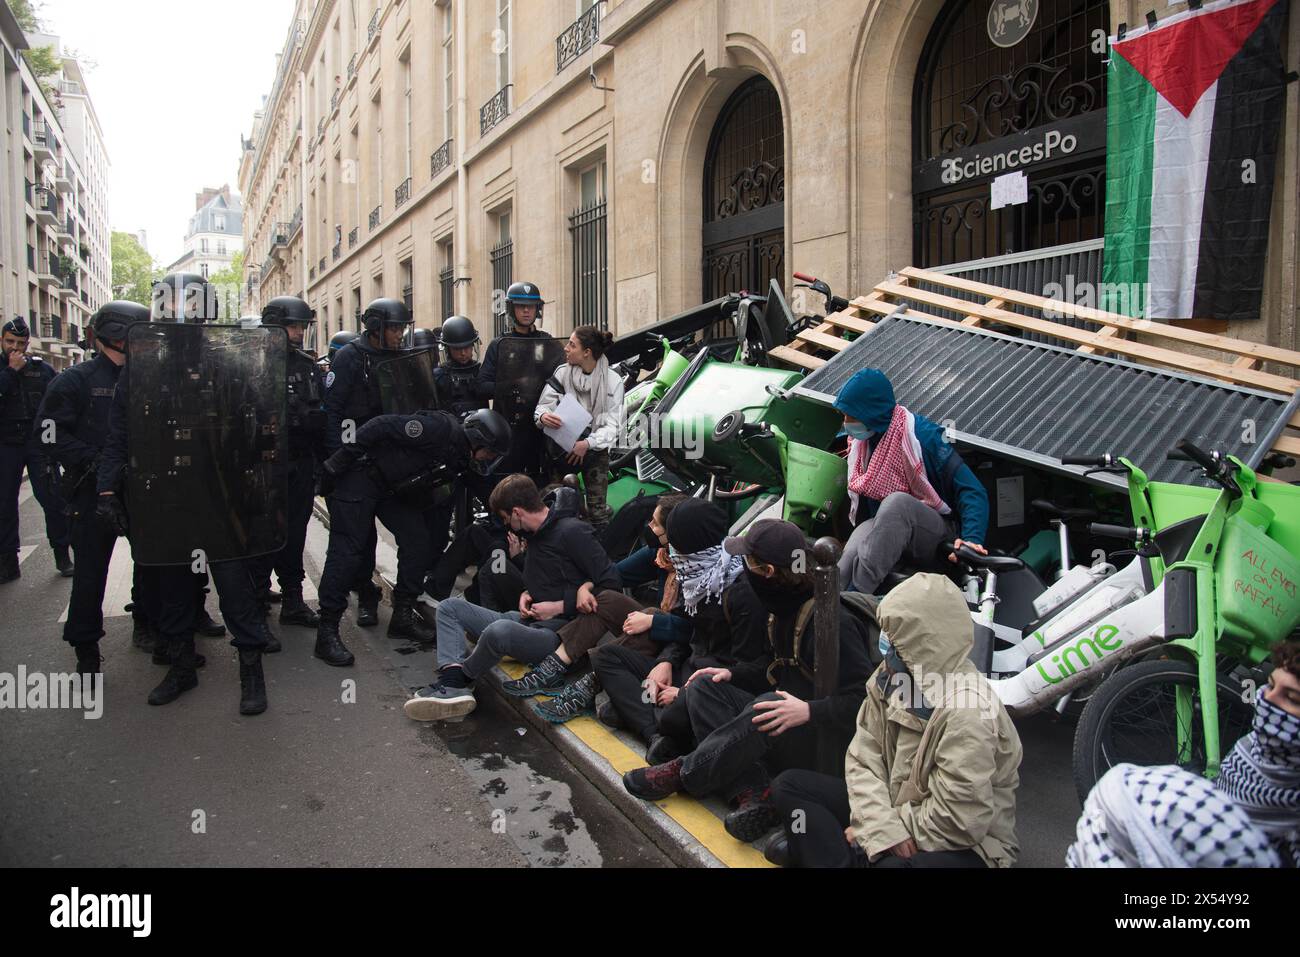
x: 414, y: 428
x: 329, y: 379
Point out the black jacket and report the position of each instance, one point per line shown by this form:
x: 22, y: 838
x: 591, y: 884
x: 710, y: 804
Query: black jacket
x: 563, y: 554
x: 352, y: 389
x: 732, y: 630
x: 78, y: 402
x: 404, y: 445
x: 20, y: 397
x: 487, y: 376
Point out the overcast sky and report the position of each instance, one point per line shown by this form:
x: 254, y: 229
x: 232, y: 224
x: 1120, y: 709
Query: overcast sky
x: 164, y: 74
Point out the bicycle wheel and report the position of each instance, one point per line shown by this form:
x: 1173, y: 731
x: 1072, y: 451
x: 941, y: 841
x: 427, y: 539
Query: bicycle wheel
x: 1131, y: 718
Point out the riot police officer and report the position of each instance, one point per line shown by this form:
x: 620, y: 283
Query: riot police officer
x: 423, y: 340
x: 352, y: 398
x: 173, y: 594
x: 77, y: 404
x: 457, y: 375
x: 397, y: 468
x: 524, y: 307
x: 304, y: 393
x: 23, y: 381
x: 340, y: 339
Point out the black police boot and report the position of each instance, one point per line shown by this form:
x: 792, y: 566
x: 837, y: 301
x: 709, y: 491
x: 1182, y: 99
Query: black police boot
x: 368, y: 608
x: 9, y: 569
x: 252, y: 684
x: 163, y: 654
x: 143, y: 637
x: 207, y: 627
x: 329, y: 646
x: 272, y: 642
x: 88, y: 657
x: 181, y: 677
x: 63, y: 561
x: 295, y: 611
x: 405, y: 623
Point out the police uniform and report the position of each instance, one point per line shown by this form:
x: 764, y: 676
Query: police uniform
x: 21, y: 391
x: 526, y: 452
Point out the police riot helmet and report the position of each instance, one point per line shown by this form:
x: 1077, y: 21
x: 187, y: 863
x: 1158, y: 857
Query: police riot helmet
x: 284, y: 310
x: 458, y: 332
x: 112, y: 320
x: 382, y: 313
x: 183, y: 297
x: 423, y: 340
x: 523, y: 293
x: 340, y: 339
x: 487, y: 429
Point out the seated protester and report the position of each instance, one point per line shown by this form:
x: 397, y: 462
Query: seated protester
x: 1261, y: 774
x: 586, y: 376
x: 1164, y: 816
x: 755, y: 718
x: 709, y: 617
x: 908, y: 493
x: 564, y: 567
x: 928, y: 781
x: 641, y: 567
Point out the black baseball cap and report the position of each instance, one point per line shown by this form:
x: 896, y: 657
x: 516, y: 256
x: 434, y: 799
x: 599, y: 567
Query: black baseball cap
x: 771, y: 541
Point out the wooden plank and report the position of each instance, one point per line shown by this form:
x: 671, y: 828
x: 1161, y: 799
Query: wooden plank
x: 885, y: 308
x: 1180, y: 334
x: 1246, y: 362
x: 843, y: 320
x: 821, y: 339
x: 795, y: 358
x: 1137, y: 350
x: 1106, y: 333
x: 1288, y: 444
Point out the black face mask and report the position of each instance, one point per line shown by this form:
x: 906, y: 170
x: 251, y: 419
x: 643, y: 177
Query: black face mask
x: 778, y: 599
x: 650, y: 538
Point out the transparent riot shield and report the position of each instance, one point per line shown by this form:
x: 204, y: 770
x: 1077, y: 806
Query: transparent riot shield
x: 523, y: 366
x: 406, y: 383
x: 207, y: 472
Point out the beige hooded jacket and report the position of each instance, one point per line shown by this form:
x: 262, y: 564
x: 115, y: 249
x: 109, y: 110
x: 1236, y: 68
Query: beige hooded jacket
x: 949, y: 781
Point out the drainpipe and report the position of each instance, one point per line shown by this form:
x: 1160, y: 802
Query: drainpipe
x: 302, y: 180
x: 460, y: 232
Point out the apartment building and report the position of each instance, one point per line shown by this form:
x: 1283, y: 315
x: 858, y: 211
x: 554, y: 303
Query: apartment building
x: 636, y: 157
x: 214, y: 235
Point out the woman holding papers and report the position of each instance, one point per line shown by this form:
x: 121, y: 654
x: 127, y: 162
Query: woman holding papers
x: 581, y: 412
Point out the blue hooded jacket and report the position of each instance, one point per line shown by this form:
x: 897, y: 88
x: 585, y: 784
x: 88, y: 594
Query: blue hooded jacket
x: 869, y: 397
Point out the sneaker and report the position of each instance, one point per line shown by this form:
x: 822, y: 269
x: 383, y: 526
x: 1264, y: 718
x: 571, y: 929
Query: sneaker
x: 754, y: 816
x: 776, y: 849
x: 439, y: 702
x: 573, y: 702
x: 656, y: 782
x: 547, y: 677
x: 608, y: 715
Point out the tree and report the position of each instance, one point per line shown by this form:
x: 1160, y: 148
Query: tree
x: 133, y: 270
x: 229, y: 284
x: 44, y: 64
x: 25, y: 13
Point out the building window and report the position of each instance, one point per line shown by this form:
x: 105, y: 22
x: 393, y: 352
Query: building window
x: 502, y: 256
x: 447, y: 280
x: 221, y: 247
x: 501, y: 44
x: 203, y: 245
x: 587, y: 235
x: 448, y: 74
x: 221, y: 223
x: 408, y: 285
x: 406, y: 106
x: 203, y: 270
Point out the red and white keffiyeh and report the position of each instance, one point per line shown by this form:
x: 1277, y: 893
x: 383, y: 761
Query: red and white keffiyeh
x: 894, y: 465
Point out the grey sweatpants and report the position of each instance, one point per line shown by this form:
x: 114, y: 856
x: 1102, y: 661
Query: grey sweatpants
x: 903, y: 527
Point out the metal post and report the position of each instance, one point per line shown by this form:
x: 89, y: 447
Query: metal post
x: 826, y: 660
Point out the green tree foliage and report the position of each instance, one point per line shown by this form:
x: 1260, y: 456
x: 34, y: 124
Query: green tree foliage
x: 25, y: 13
x: 229, y: 283
x: 133, y: 270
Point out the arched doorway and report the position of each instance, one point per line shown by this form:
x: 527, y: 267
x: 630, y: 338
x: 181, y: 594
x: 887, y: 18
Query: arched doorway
x: 1017, y: 86
x: 744, y: 193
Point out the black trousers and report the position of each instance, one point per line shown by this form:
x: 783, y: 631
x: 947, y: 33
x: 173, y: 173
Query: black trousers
x: 287, y: 562
x: 814, y: 810
x: 173, y: 596
x: 621, y: 671
x: 733, y: 756
x: 353, y: 508
x: 13, y: 459
x: 92, y: 551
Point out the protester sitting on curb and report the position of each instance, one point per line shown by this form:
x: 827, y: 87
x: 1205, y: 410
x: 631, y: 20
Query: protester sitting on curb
x: 909, y: 490
x: 931, y: 773
x: 564, y: 567
x: 1164, y: 816
x: 1262, y: 772
x: 750, y: 719
x: 640, y: 567
x: 717, y: 621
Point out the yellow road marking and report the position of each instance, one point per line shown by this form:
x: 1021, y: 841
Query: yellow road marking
x: 701, y: 823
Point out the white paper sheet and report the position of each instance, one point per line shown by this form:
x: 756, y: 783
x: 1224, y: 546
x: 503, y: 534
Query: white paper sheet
x: 575, y: 419
x: 1010, y: 189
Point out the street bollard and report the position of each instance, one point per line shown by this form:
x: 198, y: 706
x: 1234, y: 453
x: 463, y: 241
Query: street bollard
x: 826, y: 660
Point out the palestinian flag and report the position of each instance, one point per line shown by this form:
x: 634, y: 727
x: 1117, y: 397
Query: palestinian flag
x: 1194, y: 110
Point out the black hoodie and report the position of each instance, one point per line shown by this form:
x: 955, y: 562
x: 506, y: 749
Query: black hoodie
x: 562, y: 554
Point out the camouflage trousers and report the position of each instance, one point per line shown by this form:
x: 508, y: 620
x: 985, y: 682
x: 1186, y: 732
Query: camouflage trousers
x: 595, y: 480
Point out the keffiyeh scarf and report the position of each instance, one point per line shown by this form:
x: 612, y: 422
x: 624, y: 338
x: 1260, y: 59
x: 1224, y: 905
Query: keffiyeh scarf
x: 1164, y: 817
x: 1262, y: 777
x: 702, y: 576
x: 895, y: 465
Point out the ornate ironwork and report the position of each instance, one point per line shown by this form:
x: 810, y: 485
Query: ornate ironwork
x: 373, y: 28
x: 352, y: 236
x: 402, y: 193
x: 577, y: 38
x: 296, y: 223
x: 1031, y: 96
x: 374, y: 216
x: 753, y: 188
x: 336, y: 252
x: 352, y: 66
x: 440, y: 159
x: 494, y: 110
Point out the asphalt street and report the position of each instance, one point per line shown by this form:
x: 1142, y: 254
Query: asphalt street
x: 333, y: 774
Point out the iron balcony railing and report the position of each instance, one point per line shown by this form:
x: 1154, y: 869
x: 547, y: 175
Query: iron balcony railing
x: 494, y: 110
x: 336, y: 252
x: 46, y: 200
x: 352, y: 66
x: 440, y: 159
x: 39, y: 134
x: 373, y: 28
x: 296, y: 223
x: 374, y: 216
x: 52, y: 327
x: 321, y: 265
x: 447, y: 290
x: 402, y: 193
x: 320, y: 127
x: 578, y: 37
x: 352, y: 236
x: 280, y: 234
x: 334, y: 101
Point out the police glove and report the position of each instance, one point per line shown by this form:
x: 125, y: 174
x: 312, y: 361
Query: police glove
x: 111, y: 514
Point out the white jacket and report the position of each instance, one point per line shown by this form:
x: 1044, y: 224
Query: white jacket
x: 602, y: 397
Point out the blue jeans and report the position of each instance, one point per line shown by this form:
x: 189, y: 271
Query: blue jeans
x: 639, y: 568
x: 498, y: 634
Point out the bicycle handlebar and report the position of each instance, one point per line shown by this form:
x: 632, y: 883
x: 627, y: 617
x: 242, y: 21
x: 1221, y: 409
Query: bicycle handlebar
x: 1102, y: 530
x: 804, y: 277
x: 1099, y: 461
x: 1202, y: 458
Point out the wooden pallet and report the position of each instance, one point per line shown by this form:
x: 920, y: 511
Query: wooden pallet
x: 1142, y: 341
